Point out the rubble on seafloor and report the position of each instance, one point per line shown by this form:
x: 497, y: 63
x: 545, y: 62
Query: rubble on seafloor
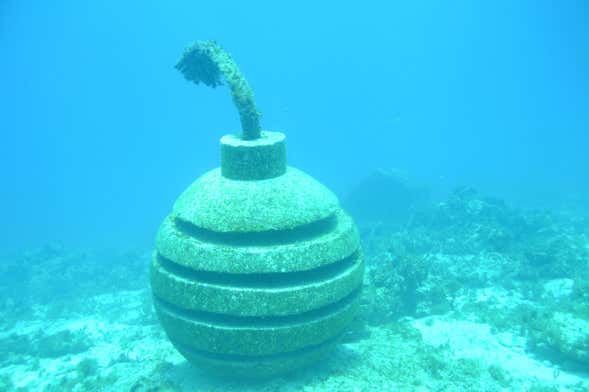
x: 469, y: 294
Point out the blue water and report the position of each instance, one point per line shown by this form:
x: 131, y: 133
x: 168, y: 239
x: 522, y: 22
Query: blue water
x: 477, y: 265
x: 100, y: 133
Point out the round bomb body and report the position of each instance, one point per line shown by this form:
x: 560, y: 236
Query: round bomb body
x: 257, y: 269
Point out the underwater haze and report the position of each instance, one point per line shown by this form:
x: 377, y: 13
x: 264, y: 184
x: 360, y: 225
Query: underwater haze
x: 455, y: 133
x: 100, y: 133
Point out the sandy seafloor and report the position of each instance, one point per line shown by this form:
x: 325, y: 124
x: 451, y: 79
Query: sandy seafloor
x: 70, y: 321
x: 129, y: 352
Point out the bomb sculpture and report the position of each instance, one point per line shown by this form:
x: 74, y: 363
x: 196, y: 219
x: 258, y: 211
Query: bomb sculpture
x: 257, y: 269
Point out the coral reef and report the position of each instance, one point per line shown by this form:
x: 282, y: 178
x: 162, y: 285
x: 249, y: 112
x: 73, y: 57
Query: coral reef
x: 446, y: 306
x: 386, y: 195
x: 458, y: 255
x: 44, y: 345
x: 51, y: 273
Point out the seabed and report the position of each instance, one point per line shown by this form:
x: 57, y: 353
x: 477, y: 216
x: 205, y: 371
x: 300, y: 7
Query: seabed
x: 471, y: 295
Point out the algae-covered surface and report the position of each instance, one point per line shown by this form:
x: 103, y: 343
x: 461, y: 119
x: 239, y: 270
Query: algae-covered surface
x: 280, y: 203
x: 472, y: 295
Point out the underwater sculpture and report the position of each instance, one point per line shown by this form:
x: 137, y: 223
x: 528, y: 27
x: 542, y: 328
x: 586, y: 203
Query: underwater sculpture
x: 257, y: 269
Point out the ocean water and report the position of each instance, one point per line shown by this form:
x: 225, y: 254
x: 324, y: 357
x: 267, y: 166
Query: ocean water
x: 453, y: 133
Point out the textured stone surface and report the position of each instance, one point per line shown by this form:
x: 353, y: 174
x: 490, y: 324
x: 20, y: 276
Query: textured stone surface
x: 219, y: 204
x: 310, y: 291
x: 297, y: 256
x: 256, y: 159
x: 256, y: 277
x: 255, y: 336
x: 256, y: 366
